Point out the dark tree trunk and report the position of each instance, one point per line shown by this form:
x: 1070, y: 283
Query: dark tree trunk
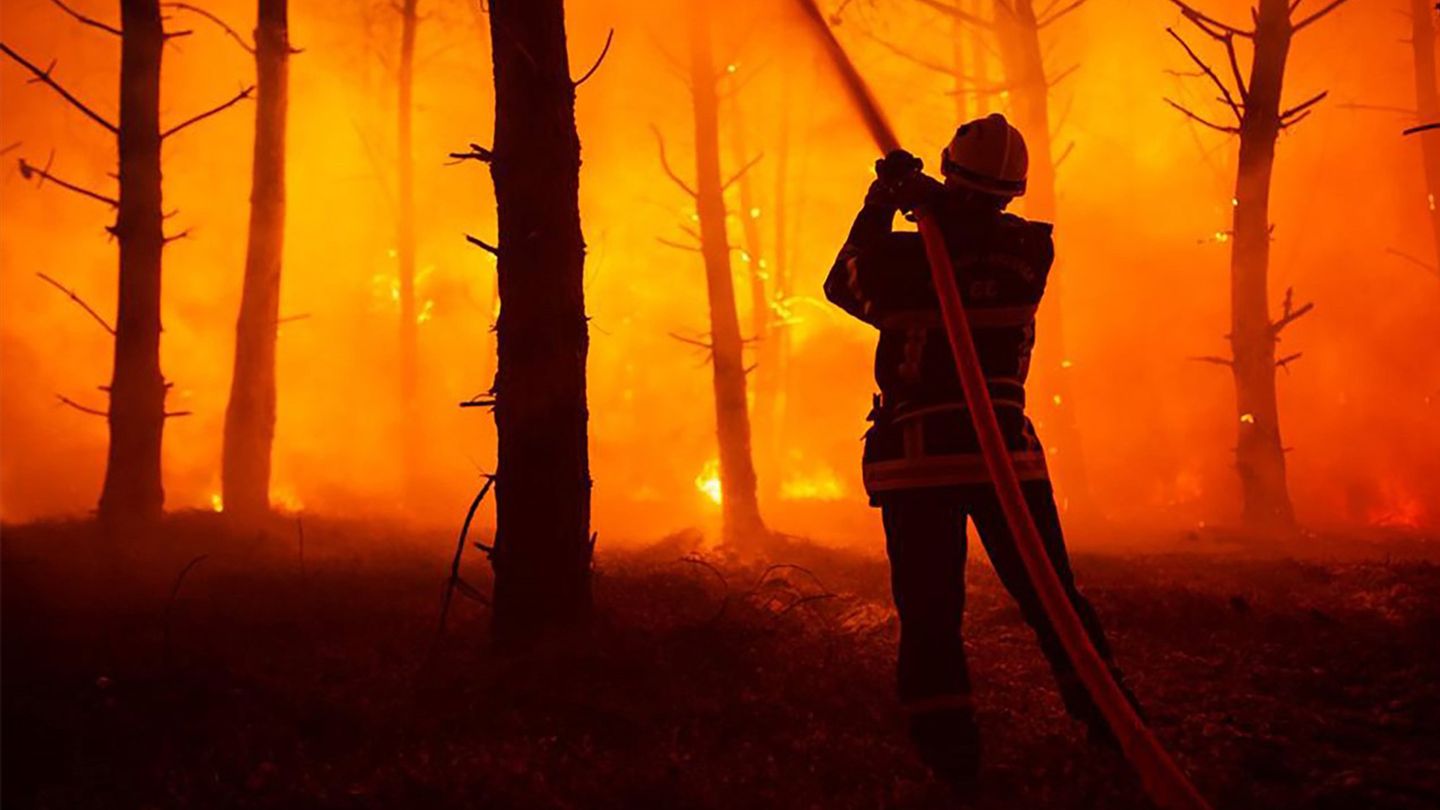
x: 250, y: 415
x: 133, y: 488
x: 542, y: 542
x: 1024, y: 67
x: 758, y: 267
x: 1259, y: 454
x: 405, y: 247
x: 1427, y: 104
x: 742, y: 525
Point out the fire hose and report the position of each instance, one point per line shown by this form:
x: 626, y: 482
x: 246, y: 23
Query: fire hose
x: 1164, y: 782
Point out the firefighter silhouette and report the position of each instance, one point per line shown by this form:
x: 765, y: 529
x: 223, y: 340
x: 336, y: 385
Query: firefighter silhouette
x: 922, y: 463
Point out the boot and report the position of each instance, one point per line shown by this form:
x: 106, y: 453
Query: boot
x: 948, y: 742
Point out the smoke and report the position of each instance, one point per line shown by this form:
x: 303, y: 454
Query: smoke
x: 1144, y: 200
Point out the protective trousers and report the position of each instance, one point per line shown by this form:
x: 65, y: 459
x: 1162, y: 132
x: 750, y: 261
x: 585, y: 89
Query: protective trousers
x: 925, y: 540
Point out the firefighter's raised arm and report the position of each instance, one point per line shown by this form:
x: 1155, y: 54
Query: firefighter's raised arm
x: 854, y: 283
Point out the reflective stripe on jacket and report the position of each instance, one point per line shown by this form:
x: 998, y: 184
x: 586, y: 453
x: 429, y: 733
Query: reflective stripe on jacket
x: 921, y: 436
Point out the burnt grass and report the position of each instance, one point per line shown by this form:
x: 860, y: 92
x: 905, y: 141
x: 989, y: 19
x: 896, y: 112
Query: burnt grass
x: 1276, y: 682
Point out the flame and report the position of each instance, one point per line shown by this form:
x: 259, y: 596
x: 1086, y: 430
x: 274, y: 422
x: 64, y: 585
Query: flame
x: 1247, y: 418
x: 216, y: 502
x: 708, y: 481
x: 824, y: 485
x: 1398, y: 507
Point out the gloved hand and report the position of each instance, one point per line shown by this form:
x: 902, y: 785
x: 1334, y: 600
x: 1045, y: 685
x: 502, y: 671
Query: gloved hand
x: 900, y: 184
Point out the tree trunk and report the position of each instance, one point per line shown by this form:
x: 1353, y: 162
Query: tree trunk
x: 542, y: 542
x: 133, y: 489
x: 250, y: 415
x: 1024, y: 68
x: 742, y: 525
x: 780, y: 284
x: 410, y: 422
x: 1259, y: 455
x: 758, y: 267
x: 979, y: 62
x: 1427, y: 104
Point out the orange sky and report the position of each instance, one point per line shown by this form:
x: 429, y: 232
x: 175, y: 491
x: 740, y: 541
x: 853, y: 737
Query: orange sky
x: 1142, y: 197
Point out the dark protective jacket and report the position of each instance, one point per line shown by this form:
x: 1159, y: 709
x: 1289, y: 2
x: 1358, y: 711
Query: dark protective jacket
x: 922, y: 436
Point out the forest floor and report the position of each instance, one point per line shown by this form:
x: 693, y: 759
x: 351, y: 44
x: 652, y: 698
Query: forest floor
x: 259, y: 681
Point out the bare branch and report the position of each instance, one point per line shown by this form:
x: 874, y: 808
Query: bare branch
x: 242, y: 95
x: 692, y: 341
x: 64, y: 400
x: 603, y: 51
x: 28, y: 170
x: 1210, y: 358
x: 1285, y: 361
x: 1289, y: 314
x: 1070, y: 147
x: 44, y: 76
x: 107, y: 28
x: 1413, y: 260
x: 904, y: 53
x: 1329, y: 7
x: 677, y: 245
x: 476, y: 153
x: 1210, y: 25
x: 74, y: 296
x: 181, y: 235
x: 958, y: 13
x: 1048, y: 18
x: 173, y: 414
x: 665, y: 164
x: 1200, y: 63
x: 1229, y: 41
x: 1407, y: 111
x: 1421, y: 128
x: 482, y: 244
x: 1301, y: 108
x: 1062, y: 75
x: 224, y: 26
x: 1198, y: 119
x: 741, y: 173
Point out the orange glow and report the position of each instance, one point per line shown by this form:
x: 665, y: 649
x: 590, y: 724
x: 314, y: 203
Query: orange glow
x: 1144, y: 207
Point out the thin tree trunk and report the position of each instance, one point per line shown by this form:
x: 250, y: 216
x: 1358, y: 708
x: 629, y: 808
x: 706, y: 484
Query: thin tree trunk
x: 979, y: 61
x: 742, y: 524
x: 757, y: 265
x: 543, y: 544
x: 409, y: 433
x: 961, y: 56
x: 133, y: 489
x: 780, y: 274
x: 1427, y: 104
x: 1259, y: 454
x: 250, y: 415
x: 1024, y: 66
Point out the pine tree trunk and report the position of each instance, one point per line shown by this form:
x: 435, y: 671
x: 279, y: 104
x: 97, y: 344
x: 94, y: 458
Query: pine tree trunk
x: 133, y: 489
x: 980, y: 56
x: 1259, y: 455
x: 410, y: 422
x: 1427, y: 103
x: 742, y: 524
x: 763, y: 408
x: 250, y: 415
x: 961, y: 56
x: 1024, y: 67
x: 780, y: 284
x: 542, y: 543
